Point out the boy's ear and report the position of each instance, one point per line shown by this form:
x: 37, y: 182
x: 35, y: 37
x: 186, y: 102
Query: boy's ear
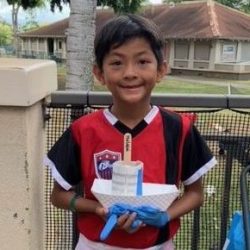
x: 98, y: 73
x: 162, y: 71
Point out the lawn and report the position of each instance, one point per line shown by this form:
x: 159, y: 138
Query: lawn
x: 182, y: 87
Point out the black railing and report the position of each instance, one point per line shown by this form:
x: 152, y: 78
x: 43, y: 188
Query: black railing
x: 224, y: 121
x: 245, y: 174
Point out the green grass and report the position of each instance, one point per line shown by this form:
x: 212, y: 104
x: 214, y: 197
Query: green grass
x: 175, y: 86
x: 61, y: 77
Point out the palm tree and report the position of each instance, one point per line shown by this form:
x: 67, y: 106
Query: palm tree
x: 80, y: 41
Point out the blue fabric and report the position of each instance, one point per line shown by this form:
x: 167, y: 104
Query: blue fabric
x: 144, y: 214
x: 236, y: 235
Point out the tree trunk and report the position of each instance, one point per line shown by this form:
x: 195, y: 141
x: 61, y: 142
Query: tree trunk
x: 14, y: 15
x: 80, y: 45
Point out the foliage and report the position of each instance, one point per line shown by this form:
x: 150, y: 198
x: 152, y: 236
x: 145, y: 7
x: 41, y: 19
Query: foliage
x: 237, y: 4
x: 119, y: 6
x: 5, y: 34
x: 58, y: 4
x: 30, y: 25
x: 122, y: 6
x: 30, y: 21
x: 26, y: 3
x: 175, y: 1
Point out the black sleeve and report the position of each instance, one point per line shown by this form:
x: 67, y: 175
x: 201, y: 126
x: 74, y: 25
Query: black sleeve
x: 64, y: 161
x: 197, y: 157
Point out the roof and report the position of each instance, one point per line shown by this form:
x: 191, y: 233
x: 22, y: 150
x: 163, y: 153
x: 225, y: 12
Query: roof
x: 187, y: 20
x: 56, y: 29
x: 59, y: 28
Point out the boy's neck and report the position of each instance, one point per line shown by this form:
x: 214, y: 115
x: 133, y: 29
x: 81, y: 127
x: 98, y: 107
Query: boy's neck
x: 130, y: 116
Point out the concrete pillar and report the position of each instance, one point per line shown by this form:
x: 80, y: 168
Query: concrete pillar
x: 191, y: 55
x: 55, y: 46
x: 64, y: 52
x: 46, y: 47
x: 239, y: 51
x: 171, y: 53
x: 24, y: 83
x: 37, y: 47
x: 212, y: 55
x: 217, y: 52
x: 30, y: 46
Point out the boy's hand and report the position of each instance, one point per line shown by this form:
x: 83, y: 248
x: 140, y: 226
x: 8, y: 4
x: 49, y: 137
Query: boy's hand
x: 131, y: 219
x: 102, y: 212
x: 146, y: 214
x: 127, y: 222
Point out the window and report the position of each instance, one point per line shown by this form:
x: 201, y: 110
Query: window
x: 60, y: 45
x: 245, y: 51
x: 228, y: 52
x: 41, y: 44
x: 181, y: 50
x: 202, y: 50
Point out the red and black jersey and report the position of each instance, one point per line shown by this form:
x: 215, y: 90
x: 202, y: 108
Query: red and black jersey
x: 89, y: 147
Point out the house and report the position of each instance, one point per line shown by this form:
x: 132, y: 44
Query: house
x: 203, y: 38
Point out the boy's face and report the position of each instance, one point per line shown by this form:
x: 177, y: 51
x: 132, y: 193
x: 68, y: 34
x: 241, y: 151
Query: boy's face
x: 130, y: 72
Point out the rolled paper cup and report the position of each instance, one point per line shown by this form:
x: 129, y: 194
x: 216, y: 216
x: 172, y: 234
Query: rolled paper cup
x: 127, y: 178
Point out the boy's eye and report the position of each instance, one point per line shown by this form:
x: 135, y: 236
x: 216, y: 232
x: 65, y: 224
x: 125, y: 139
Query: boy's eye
x: 144, y: 61
x: 116, y: 63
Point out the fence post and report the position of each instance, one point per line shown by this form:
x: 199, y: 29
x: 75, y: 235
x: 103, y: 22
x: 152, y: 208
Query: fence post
x: 23, y: 86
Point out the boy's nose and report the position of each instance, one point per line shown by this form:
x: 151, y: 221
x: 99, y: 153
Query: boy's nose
x: 130, y: 71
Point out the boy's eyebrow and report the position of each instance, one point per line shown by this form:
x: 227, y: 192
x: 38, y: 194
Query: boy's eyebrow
x: 116, y: 53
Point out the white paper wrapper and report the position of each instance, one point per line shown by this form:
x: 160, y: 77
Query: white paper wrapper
x: 127, y: 178
x: 157, y: 195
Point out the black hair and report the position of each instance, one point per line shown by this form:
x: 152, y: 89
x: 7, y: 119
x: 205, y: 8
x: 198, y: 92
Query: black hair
x: 122, y: 28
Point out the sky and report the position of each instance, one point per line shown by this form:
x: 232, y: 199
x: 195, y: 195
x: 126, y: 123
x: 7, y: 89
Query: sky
x: 42, y: 16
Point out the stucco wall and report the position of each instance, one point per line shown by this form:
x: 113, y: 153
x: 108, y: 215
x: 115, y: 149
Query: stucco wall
x: 21, y: 178
x: 23, y: 86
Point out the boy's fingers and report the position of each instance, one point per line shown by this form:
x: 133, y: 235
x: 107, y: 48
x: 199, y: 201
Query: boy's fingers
x: 128, y: 223
x: 125, y: 222
x: 122, y: 219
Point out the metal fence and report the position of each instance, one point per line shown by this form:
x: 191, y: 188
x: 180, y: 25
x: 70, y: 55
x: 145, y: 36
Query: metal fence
x: 224, y: 121
x: 244, y: 187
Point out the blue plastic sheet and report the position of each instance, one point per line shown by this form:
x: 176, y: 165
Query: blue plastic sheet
x: 144, y: 214
x: 236, y: 237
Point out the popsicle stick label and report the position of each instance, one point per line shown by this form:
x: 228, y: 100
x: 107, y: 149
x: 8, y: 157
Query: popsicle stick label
x: 127, y: 147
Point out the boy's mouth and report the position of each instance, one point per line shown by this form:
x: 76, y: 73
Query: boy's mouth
x: 131, y: 86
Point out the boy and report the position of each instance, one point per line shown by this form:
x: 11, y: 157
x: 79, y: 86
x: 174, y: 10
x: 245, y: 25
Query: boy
x: 130, y: 61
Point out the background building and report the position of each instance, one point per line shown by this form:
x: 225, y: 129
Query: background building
x: 203, y: 38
